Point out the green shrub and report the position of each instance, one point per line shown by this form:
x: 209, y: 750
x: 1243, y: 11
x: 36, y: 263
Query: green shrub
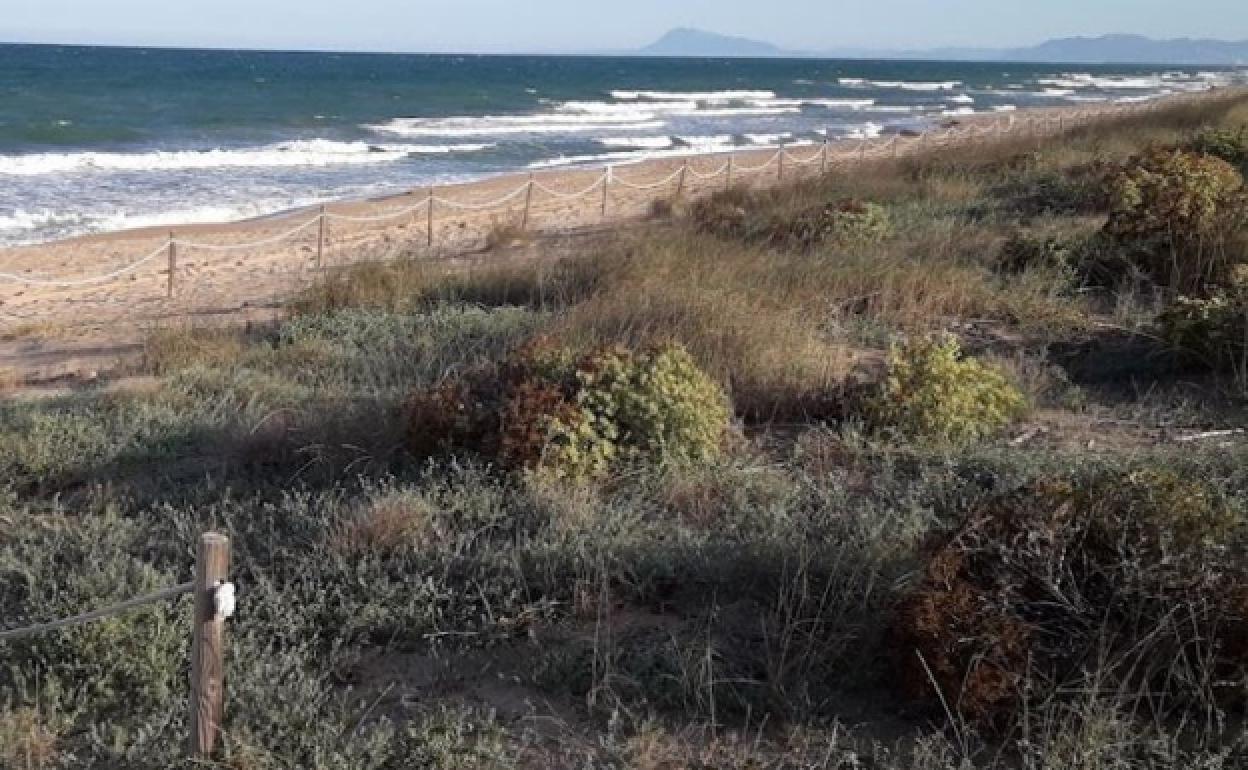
x: 574, y: 417
x: 1024, y: 252
x: 1229, y: 144
x: 1173, y: 212
x: 846, y: 222
x: 737, y: 215
x: 1212, y: 329
x: 932, y: 391
x: 664, y: 408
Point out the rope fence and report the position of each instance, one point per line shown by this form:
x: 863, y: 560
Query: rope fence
x: 828, y: 156
x: 214, y: 603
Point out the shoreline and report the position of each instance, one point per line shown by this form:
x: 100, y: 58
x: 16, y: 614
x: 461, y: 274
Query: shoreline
x: 244, y: 263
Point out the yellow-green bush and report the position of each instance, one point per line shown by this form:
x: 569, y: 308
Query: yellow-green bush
x: 1172, y: 212
x: 664, y: 408
x: 932, y: 391
x: 738, y: 215
x: 847, y: 222
x: 1229, y: 144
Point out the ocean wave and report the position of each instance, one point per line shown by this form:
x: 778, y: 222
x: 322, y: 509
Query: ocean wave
x: 710, y: 97
x: 637, y: 142
x: 768, y: 138
x: 904, y: 85
x: 1082, y: 80
x: 865, y: 131
x: 509, y: 125
x: 1005, y: 108
x: 731, y: 112
x: 962, y: 99
x: 25, y: 227
x: 21, y: 220
x: 959, y: 111
x: 313, y: 152
x: 714, y: 141
x: 629, y: 111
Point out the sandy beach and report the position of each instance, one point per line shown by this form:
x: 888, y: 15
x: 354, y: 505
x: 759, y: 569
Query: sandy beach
x: 123, y: 278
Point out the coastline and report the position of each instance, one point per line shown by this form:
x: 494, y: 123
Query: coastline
x: 215, y: 269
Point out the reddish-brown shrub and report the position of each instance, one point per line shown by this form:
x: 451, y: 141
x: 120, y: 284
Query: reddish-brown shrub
x: 1132, y: 573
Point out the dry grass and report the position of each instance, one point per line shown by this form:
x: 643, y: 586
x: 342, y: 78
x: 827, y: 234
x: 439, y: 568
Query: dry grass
x: 174, y: 348
x: 26, y: 742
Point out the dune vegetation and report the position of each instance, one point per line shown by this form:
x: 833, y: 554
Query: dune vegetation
x: 927, y: 466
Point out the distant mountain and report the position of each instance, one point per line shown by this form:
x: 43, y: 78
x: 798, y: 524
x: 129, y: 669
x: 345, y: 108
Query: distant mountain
x: 696, y: 42
x: 1125, y: 49
x: 1108, y: 49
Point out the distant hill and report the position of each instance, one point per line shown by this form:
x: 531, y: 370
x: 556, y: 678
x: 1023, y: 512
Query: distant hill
x: 696, y: 42
x: 1107, y: 49
x: 1121, y: 49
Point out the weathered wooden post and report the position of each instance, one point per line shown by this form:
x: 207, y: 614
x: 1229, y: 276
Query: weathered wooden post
x: 320, y: 240
x: 173, y: 263
x: 528, y: 203
x: 780, y: 164
x: 606, y: 190
x: 823, y: 160
x: 212, y: 564
x: 429, y: 222
x: 731, y: 157
x: 680, y: 183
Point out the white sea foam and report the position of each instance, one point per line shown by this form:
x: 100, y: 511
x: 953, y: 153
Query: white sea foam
x: 638, y: 142
x: 491, y: 126
x: 21, y: 220
x: 962, y: 99
x: 710, y: 97
x: 629, y: 111
x: 959, y: 111
x: 732, y: 112
x: 1059, y: 92
x: 715, y: 141
x: 312, y: 152
x: 905, y: 85
x: 852, y: 81
x: 23, y: 227
x: 852, y: 104
x: 1004, y: 108
x: 768, y: 138
x: 865, y: 131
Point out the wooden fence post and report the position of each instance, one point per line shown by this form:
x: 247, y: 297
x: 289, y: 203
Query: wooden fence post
x: 731, y: 157
x: 823, y: 161
x: 320, y: 240
x: 429, y: 223
x: 212, y: 564
x: 173, y: 263
x: 528, y: 204
x: 680, y: 184
x: 606, y: 189
x: 780, y: 164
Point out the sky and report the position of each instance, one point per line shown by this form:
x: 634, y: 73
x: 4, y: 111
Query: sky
x: 498, y: 26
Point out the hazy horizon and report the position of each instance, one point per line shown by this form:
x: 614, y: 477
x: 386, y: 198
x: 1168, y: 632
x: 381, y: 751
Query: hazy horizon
x: 556, y: 26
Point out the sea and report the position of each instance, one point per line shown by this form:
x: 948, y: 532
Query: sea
x: 100, y: 139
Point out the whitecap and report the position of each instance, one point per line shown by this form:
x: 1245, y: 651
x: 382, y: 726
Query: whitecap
x: 310, y: 152
x: 637, y: 142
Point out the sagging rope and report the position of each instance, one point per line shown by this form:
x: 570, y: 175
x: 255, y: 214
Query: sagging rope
x: 116, y: 609
x: 76, y: 283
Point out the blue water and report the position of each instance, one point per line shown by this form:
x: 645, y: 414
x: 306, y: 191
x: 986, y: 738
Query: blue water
x: 95, y: 139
